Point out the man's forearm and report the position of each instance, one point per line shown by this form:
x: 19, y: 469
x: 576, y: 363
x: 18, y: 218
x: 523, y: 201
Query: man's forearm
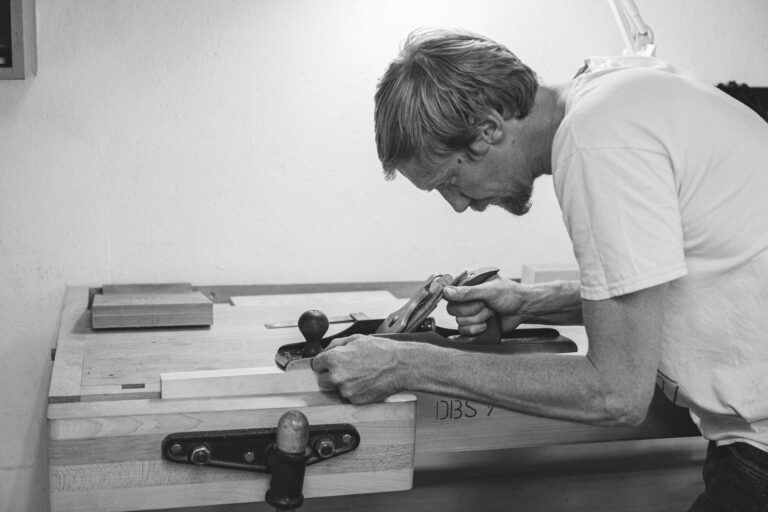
x: 563, y: 387
x: 555, y: 302
x: 611, y: 385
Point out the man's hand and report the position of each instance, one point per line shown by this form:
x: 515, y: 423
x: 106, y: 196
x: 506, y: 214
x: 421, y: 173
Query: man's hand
x: 474, y: 305
x: 365, y: 369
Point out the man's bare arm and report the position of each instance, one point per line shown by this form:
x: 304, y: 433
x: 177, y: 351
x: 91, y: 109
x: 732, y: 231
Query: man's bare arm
x: 611, y: 385
x: 555, y: 302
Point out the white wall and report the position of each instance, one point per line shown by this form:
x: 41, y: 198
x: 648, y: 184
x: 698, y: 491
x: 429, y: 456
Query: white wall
x: 231, y: 141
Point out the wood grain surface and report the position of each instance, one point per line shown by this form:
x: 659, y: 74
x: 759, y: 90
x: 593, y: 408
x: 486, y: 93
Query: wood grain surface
x: 262, y: 380
x: 106, y: 456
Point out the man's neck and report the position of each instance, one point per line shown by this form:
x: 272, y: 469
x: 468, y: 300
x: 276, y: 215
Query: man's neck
x: 544, y: 120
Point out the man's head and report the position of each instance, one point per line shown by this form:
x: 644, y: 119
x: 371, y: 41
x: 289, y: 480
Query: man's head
x: 445, y: 94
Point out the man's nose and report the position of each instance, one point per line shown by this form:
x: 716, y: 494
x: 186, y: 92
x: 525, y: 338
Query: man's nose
x: 456, y: 199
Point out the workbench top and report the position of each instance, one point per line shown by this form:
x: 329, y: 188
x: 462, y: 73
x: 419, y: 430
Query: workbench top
x: 107, y: 417
x: 119, y: 364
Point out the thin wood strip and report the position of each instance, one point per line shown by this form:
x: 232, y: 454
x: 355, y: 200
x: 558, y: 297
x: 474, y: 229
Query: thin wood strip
x: 264, y: 380
x: 67, y: 373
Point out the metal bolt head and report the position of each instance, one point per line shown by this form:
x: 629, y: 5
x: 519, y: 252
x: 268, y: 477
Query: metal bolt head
x: 428, y: 324
x: 249, y: 456
x: 201, y: 455
x: 176, y: 449
x: 325, y: 447
x: 347, y: 439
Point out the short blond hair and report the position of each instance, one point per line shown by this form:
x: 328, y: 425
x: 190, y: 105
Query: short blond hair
x: 434, y: 94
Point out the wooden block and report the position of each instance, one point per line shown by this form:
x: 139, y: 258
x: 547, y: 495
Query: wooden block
x: 105, y: 456
x: 151, y: 310
x: 265, y: 380
x: 541, y: 273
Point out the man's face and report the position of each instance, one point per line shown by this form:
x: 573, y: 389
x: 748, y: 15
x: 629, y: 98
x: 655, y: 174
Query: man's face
x: 469, y: 183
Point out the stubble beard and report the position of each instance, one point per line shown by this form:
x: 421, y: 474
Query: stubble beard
x: 518, y: 204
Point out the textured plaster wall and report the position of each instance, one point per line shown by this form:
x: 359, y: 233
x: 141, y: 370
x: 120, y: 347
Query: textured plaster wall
x: 231, y: 141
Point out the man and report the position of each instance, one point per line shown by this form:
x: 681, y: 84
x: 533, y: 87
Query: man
x: 662, y: 182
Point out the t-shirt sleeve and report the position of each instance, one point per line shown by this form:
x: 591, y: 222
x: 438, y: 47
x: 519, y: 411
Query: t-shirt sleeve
x: 621, y: 211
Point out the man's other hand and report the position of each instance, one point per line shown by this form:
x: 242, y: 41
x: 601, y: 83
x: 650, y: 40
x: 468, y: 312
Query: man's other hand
x: 473, y: 305
x: 365, y: 369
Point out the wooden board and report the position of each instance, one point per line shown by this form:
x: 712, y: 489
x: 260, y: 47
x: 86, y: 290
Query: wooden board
x: 264, y: 380
x: 138, y: 310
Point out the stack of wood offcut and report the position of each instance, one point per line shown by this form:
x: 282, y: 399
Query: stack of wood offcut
x: 126, y: 306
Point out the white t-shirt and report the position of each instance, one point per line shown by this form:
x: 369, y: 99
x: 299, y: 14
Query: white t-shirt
x: 664, y: 179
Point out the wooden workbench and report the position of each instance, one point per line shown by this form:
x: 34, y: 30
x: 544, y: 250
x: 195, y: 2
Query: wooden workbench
x: 107, y: 419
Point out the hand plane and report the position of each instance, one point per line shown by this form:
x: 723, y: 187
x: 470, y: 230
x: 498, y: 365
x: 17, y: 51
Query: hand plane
x: 412, y: 322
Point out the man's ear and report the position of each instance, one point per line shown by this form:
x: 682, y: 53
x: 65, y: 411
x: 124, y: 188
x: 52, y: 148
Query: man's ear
x: 490, y: 132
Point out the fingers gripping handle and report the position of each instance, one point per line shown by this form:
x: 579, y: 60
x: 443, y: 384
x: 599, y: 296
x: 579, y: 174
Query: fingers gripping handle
x: 492, y: 333
x: 490, y: 336
x: 412, y: 315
